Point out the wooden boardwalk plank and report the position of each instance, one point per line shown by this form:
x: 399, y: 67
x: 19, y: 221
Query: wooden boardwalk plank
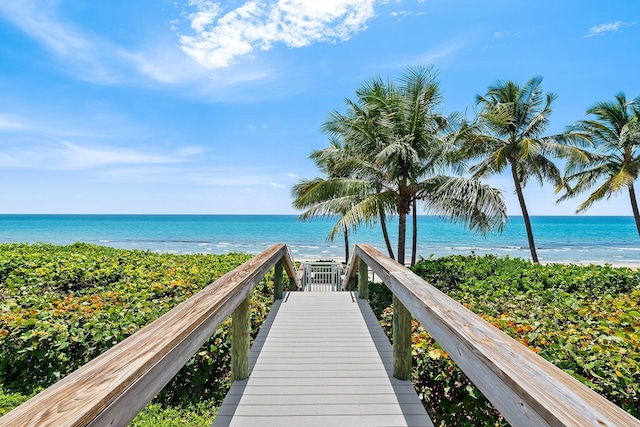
x: 321, y: 359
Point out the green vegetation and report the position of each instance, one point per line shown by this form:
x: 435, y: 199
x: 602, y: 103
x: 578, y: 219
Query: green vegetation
x: 583, y: 319
x: 64, y: 305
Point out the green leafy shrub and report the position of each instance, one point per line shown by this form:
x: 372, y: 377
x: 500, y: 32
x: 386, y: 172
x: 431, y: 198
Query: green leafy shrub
x: 61, y: 306
x: 583, y: 319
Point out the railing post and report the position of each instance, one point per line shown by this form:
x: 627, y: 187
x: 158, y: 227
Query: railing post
x: 401, y: 341
x: 363, y: 279
x: 278, y: 285
x: 240, y: 330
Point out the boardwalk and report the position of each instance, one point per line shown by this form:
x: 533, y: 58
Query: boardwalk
x: 321, y: 359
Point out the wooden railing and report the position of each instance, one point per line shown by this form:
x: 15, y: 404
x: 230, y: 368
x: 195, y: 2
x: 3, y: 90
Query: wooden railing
x: 111, y: 389
x: 525, y: 388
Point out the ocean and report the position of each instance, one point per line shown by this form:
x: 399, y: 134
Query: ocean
x: 574, y: 239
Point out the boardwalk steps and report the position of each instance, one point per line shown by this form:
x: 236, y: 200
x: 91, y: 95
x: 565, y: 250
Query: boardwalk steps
x: 321, y: 359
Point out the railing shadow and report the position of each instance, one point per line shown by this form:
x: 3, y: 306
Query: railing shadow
x: 412, y: 409
x: 233, y: 397
x: 526, y: 389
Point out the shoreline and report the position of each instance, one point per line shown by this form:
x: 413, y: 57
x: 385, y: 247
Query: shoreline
x: 614, y: 264
x: 632, y: 264
x: 566, y: 240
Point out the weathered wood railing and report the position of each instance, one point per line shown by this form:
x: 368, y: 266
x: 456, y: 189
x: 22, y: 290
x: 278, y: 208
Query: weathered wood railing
x: 525, y: 388
x: 111, y: 389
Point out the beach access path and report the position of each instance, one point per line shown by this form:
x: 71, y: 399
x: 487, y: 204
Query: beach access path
x: 321, y: 359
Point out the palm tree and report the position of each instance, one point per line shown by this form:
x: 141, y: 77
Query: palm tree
x: 508, y: 133
x: 392, y: 132
x: 326, y: 196
x: 357, y: 126
x: 615, y: 137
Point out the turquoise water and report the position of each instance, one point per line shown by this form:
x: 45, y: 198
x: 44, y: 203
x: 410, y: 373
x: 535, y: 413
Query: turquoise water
x: 558, y: 239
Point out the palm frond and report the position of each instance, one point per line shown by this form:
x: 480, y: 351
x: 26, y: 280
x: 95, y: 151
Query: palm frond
x: 458, y: 199
x: 612, y: 185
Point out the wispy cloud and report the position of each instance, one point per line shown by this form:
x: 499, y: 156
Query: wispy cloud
x: 505, y: 35
x: 69, y: 156
x: 401, y: 13
x: 93, y: 57
x: 220, y: 38
x: 210, y: 176
x: 443, y: 51
x: 73, y: 156
x: 193, y: 60
x: 90, y: 140
x: 85, y: 52
x: 37, y: 123
x: 602, y: 29
x: 9, y: 122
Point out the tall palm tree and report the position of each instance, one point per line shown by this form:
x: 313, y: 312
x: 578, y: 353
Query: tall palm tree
x: 614, y: 135
x: 393, y: 132
x: 358, y: 125
x: 326, y: 196
x: 508, y: 134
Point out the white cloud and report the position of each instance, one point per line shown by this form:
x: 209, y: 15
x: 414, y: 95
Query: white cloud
x: 602, y: 29
x: 292, y: 176
x: 220, y: 38
x: 35, y: 18
x: 446, y: 50
x: 85, y: 52
x: 192, y: 175
x: 92, y: 57
x: 196, y: 63
x: 505, y: 34
x: 156, y: 59
x: 70, y: 156
x: 74, y: 156
x: 8, y: 123
x: 401, y: 13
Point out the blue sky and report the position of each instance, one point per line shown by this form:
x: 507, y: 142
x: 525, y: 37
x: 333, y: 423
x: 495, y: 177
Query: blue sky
x: 213, y: 107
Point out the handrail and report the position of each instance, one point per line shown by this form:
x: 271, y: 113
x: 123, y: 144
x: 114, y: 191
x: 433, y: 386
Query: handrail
x: 112, y: 388
x: 524, y: 387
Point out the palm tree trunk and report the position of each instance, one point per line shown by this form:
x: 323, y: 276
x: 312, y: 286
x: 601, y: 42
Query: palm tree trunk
x: 634, y: 206
x: 414, y: 242
x: 385, y: 233
x: 346, y: 245
x: 525, y: 213
x: 402, y: 231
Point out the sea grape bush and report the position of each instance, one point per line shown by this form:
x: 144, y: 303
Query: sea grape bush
x: 449, y: 397
x: 583, y: 319
x: 62, y: 306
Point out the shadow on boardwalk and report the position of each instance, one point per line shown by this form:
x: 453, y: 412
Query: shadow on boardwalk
x: 321, y: 359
